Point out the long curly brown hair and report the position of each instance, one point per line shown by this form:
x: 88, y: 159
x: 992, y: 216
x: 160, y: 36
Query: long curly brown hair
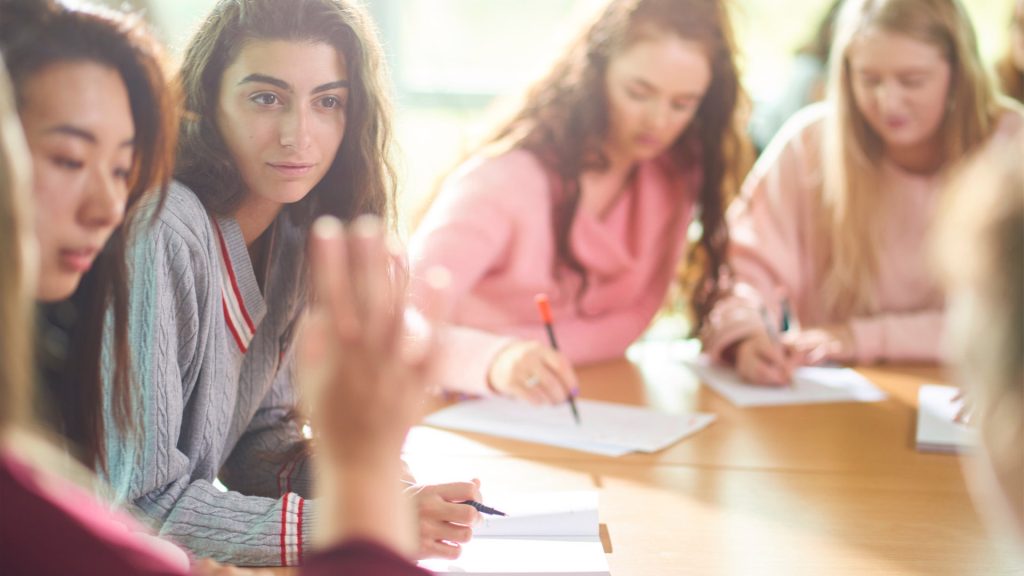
x: 362, y: 179
x: 563, y: 120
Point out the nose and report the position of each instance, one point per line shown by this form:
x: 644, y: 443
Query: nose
x: 104, y: 201
x: 657, y: 115
x: 295, y: 128
x: 888, y: 96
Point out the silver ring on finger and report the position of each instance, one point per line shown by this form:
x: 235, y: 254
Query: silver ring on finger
x: 532, y: 381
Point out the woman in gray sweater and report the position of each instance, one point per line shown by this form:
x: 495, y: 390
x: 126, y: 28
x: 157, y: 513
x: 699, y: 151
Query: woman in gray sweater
x: 286, y: 119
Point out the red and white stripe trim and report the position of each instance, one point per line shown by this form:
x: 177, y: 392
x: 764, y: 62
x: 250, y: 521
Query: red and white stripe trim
x: 285, y: 472
x: 239, y: 322
x: 291, y: 529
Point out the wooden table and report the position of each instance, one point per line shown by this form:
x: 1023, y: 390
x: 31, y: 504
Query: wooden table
x: 825, y: 490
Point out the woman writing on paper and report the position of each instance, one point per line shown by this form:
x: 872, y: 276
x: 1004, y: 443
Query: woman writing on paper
x: 833, y: 216
x: 586, y: 194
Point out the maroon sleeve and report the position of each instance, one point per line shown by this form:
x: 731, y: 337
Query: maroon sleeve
x: 360, y: 557
x: 44, y: 531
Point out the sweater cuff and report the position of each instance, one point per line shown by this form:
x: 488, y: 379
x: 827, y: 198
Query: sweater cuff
x: 466, y: 357
x: 868, y: 339
x: 296, y: 520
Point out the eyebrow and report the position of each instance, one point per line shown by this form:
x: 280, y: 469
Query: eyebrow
x: 264, y: 79
x: 648, y: 86
x: 82, y: 134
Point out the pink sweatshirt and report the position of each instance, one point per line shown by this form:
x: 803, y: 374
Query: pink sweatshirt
x: 491, y: 227
x: 774, y: 251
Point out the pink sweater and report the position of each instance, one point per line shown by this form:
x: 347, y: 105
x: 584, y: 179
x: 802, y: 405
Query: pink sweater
x: 491, y: 227
x: 774, y: 251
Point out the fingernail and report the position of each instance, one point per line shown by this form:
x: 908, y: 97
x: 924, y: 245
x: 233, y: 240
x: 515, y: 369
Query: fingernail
x: 327, y: 227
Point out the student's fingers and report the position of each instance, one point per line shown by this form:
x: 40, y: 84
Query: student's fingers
x: 331, y: 277
x: 438, y: 549
x: 458, y: 492
x: 563, y: 370
x: 438, y: 530
x: 551, y: 386
x: 525, y: 388
x: 376, y: 295
x: 755, y: 368
x: 436, y: 510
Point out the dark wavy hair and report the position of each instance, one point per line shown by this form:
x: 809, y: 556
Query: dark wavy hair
x: 563, y: 120
x: 1011, y: 78
x: 35, y: 34
x: 361, y: 179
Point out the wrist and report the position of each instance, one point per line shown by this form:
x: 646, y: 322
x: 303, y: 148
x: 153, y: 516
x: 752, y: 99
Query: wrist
x: 363, y: 502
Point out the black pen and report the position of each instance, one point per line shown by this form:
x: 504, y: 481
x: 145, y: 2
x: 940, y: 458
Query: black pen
x: 483, y: 509
x: 544, y: 305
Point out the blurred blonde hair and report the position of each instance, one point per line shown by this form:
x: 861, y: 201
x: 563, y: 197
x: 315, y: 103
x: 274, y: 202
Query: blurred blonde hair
x: 17, y: 279
x: 853, y: 151
x: 979, y: 248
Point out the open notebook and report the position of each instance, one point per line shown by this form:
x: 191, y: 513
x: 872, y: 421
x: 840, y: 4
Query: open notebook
x: 544, y: 533
x: 937, y: 430
x: 605, y: 428
x: 811, y: 385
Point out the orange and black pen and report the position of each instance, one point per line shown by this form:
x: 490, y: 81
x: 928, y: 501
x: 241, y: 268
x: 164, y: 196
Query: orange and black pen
x: 544, y: 306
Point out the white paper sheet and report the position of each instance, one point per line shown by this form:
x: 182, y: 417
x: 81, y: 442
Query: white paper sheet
x: 605, y: 428
x: 811, y: 385
x: 937, y: 430
x: 544, y: 533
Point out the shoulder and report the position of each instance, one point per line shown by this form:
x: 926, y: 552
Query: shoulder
x: 805, y: 130
x: 1010, y: 121
x: 179, y: 240
x: 797, y: 148
x: 507, y: 179
x: 182, y: 220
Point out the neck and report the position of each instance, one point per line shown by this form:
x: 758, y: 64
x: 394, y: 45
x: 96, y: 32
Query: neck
x: 922, y: 158
x: 600, y: 189
x: 254, y: 216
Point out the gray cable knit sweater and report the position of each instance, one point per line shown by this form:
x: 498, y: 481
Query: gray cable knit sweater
x: 212, y: 374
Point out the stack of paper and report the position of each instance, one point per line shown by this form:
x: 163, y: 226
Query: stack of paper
x: 545, y: 533
x: 937, y: 428
x: 811, y: 385
x: 605, y: 428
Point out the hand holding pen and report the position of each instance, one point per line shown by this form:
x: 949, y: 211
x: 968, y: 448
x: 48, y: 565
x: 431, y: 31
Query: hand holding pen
x: 762, y: 358
x: 544, y: 306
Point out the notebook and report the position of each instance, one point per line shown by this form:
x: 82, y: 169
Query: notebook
x: 811, y: 385
x: 937, y: 430
x: 605, y: 428
x: 544, y: 533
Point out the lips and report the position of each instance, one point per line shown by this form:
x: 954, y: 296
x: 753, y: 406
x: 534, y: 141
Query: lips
x: 78, y: 259
x: 291, y: 169
x: 896, y: 123
x: 647, y: 141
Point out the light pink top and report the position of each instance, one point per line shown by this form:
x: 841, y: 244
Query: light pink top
x: 776, y: 255
x: 491, y: 226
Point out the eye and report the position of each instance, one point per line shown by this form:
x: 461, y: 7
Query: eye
x: 67, y: 163
x: 870, y: 81
x: 913, y: 81
x: 682, y: 106
x: 122, y: 174
x: 635, y: 94
x: 331, y: 102
x: 265, y: 99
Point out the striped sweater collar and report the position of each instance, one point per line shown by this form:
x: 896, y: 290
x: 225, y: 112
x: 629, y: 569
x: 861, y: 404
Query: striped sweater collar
x: 243, y: 304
